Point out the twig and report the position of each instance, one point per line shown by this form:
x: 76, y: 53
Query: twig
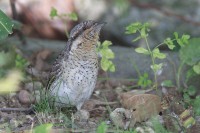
x: 15, y: 17
x: 27, y: 110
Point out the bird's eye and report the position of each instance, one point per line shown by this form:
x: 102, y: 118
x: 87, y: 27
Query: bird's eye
x: 80, y: 44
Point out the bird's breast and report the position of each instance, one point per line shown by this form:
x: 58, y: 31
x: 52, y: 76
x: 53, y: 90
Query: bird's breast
x: 80, y: 74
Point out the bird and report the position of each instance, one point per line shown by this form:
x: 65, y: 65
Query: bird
x: 74, y: 73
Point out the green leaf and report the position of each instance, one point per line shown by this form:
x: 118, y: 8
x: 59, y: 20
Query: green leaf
x: 107, y: 65
x: 196, y: 106
x: 20, y: 62
x: 156, y: 67
x: 102, y: 128
x: 157, y: 54
x: 144, y: 81
x: 143, y: 32
x: 44, y: 128
x: 73, y: 16
x: 186, y: 98
x: 157, y: 126
x: 6, y: 25
x: 176, y: 35
x: 142, y: 51
x: 133, y: 28
x: 112, y: 67
x: 6, y: 59
x: 190, y: 53
x: 106, y: 43
x: 180, y: 42
x: 185, y: 39
x: 169, y: 43
x: 53, y: 13
x: 192, y: 90
x: 136, y: 39
x: 167, y: 83
x: 196, y: 68
x: 107, y: 53
x: 190, y: 73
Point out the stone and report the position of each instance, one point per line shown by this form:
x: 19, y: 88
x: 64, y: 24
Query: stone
x: 26, y: 97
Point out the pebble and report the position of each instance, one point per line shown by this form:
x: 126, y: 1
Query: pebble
x: 26, y: 97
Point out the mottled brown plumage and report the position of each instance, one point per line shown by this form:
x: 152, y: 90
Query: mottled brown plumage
x: 74, y: 72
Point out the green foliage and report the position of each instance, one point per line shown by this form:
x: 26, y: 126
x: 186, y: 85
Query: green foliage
x: 167, y: 83
x: 190, y: 53
x: 192, y: 90
x: 20, y: 62
x: 196, y: 68
x: 155, y: 53
x: 73, y: 16
x: 106, y: 54
x: 157, y: 126
x: 102, y: 128
x: 144, y: 81
x: 138, y: 27
x: 44, y: 128
x: 6, y: 58
x: 169, y: 43
x: 195, y: 103
x: 190, y: 73
x: 54, y: 13
x: 6, y: 25
x: 64, y: 17
x: 142, y: 51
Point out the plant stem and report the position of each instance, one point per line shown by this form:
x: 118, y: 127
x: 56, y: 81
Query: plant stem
x: 179, y: 74
x: 162, y: 44
x: 153, y: 62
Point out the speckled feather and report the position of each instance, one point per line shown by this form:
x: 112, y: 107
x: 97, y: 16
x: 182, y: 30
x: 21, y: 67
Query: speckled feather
x: 74, y: 73
x: 75, y: 32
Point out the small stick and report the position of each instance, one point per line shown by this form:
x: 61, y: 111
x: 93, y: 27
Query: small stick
x: 17, y: 109
x: 15, y: 17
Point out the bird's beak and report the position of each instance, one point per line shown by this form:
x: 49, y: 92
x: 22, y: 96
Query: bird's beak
x: 98, y: 27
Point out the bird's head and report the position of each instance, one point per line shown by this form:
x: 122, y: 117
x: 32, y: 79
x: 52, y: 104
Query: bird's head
x: 85, y: 35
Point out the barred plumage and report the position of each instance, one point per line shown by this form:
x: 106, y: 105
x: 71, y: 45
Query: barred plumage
x: 75, y: 71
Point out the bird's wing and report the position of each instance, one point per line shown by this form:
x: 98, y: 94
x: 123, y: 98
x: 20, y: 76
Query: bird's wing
x: 56, y: 69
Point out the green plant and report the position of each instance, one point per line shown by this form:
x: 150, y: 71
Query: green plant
x: 63, y: 16
x: 20, y: 62
x: 195, y: 104
x: 154, y: 53
x: 44, y: 128
x: 190, y: 56
x: 102, y: 128
x: 13, y: 78
x: 106, y: 54
x: 144, y: 81
x: 6, y: 25
x: 157, y: 126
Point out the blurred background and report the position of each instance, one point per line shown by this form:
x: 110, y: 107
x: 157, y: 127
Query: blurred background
x: 165, y: 17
